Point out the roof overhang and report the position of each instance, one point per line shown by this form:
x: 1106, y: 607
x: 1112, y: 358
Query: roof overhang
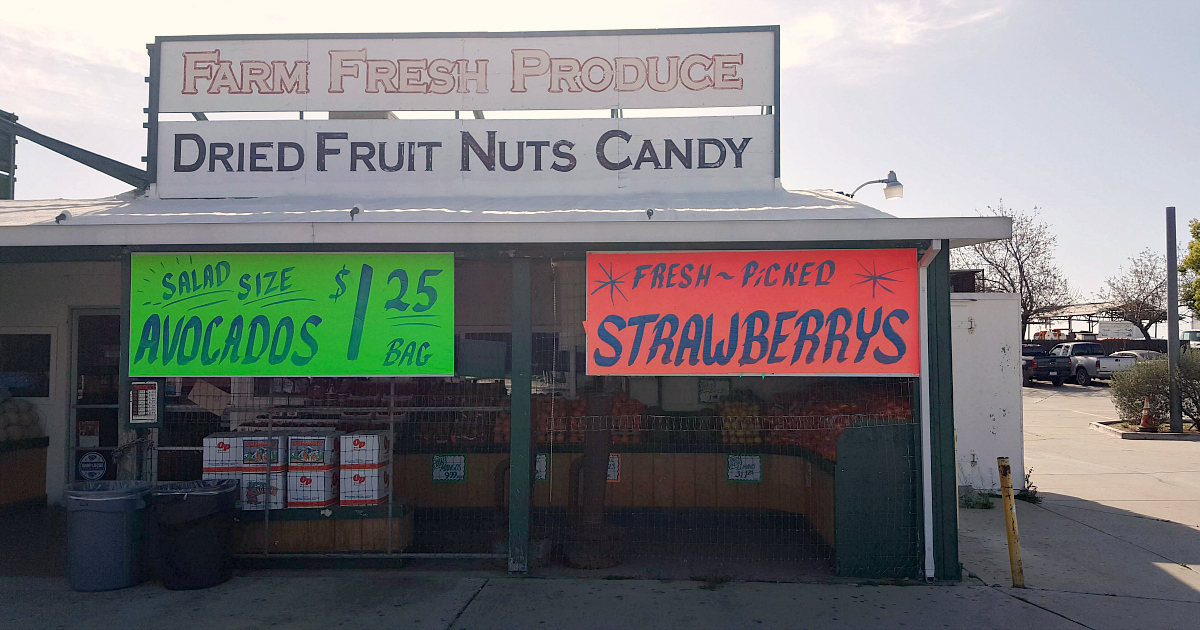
x: 767, y: 217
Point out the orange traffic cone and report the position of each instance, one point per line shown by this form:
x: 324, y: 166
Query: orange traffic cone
x: 1148, y: 423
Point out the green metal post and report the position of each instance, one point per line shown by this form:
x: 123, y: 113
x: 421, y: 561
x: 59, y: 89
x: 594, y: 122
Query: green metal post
x: 520, y: 451
x: 941, y: 427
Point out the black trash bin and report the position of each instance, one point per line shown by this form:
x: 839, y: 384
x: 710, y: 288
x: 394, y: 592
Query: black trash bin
x: 106, y: 534
x: 195, y: 532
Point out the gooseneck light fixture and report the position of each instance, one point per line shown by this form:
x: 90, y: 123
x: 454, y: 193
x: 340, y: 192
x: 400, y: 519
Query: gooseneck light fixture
x: 892, y: 188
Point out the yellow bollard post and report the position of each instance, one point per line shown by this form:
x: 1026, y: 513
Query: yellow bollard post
x: 1010, y: 522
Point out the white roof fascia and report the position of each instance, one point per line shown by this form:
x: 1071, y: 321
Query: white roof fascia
x: 960, y: 231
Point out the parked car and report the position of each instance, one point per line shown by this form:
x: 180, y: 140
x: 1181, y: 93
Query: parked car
x: 1089, y: 362
x: 1191, y: 339
x: 1037, y: 365
x: 1138, y: 355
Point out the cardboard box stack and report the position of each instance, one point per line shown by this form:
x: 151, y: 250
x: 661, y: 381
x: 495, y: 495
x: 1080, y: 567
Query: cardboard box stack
x: 312, y: 476
x: 223, y: 458
x: 366, y: 458
x: 264, y: 470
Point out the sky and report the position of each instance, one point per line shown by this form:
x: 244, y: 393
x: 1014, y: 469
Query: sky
x: 1086, y: 110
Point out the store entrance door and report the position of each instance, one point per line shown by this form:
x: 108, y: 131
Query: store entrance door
x: 96, y: 369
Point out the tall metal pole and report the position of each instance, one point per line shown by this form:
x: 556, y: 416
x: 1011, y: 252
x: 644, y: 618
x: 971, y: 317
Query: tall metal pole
x: 520, y: 471
x: 1173, y: 324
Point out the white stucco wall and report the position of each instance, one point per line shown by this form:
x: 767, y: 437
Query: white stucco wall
x: 38, y: 298
x: 988, y: 419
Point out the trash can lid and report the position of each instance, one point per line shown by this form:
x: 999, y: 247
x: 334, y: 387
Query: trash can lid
x: 106, y: 490
x: 205, y: 487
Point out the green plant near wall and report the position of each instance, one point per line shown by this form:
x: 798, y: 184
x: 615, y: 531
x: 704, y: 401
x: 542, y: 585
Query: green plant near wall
x: 1131, y: 387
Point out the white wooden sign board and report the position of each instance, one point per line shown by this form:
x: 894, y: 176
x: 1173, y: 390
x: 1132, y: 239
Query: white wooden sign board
x: 493, y: 158
x: 1118, y: 330
x: 592, y: 70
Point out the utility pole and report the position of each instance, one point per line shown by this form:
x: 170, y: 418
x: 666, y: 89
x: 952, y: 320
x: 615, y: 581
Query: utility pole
x: 1173, y: 325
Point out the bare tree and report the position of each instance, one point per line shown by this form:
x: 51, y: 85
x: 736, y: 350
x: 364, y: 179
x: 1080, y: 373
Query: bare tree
x: 1138, y: 293
x: 1023, y: 264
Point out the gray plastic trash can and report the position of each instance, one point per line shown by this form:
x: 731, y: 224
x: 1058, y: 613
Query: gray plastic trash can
x: 195, y: 532
x: 106, y: 532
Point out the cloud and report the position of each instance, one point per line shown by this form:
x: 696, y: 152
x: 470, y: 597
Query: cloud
x: 52, y: 83
x: 910, y: 23
x: 858, y: 41
x: 802, y: 35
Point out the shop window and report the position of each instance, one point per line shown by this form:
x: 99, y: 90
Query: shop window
x: 25, y: 365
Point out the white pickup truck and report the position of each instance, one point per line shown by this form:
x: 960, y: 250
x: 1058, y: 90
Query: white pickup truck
x: 1088, y: 361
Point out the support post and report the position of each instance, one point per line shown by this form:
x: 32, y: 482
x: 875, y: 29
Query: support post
x: 1010, y: 523
x: 923, y: 401
x: 1173, y: 325
x: 520, y: 447
x: 938, y: 385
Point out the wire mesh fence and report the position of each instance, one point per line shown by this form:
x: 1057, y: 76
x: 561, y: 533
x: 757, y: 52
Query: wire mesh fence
x: 741, y: 487
x: 680, y: 477
x: 332, y: 465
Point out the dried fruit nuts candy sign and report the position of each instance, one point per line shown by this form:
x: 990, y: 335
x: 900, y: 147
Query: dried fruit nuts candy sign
x: 335, y: 314
x: 832, y: 312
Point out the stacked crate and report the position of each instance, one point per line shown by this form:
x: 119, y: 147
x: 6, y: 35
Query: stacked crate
x: 366, y: 458
x: 264, y: 470
x: 312, y: 475
x: 223, y: 458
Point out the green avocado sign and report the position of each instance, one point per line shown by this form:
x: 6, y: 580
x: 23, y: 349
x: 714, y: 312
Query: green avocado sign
x: 292, y: 315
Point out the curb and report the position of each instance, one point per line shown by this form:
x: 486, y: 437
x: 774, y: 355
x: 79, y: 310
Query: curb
x: 1109, y: 428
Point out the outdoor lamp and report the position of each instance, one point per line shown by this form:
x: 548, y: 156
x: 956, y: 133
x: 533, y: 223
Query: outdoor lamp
x: 892, y: 188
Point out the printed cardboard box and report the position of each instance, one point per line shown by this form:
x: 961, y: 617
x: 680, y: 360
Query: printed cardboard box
x: 223, y: 453
x: 259, y: 488
x: 366, y: 486
x: 257, y: 448
x: 312, y: 489
x: 313, y: 468
x: 313, y: 450
x: 366, y: 447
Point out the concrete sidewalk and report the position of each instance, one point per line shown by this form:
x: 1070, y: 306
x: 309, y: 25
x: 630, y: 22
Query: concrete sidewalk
x: 1116, y: 541
x: 365, y: 600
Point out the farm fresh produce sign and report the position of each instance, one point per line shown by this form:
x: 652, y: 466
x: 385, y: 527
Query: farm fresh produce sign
x: 851, y: 312
x: 286, y: 314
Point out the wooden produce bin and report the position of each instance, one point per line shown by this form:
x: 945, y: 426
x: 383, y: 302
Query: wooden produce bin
x: 23, y: 472
x: 794, y: 480
x: 309, y: 530
x: 413, y: 475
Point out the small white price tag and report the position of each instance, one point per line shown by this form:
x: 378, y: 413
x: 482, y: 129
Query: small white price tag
x: 746, y: 468
x: 449, y: 468
x: 614, y: 467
